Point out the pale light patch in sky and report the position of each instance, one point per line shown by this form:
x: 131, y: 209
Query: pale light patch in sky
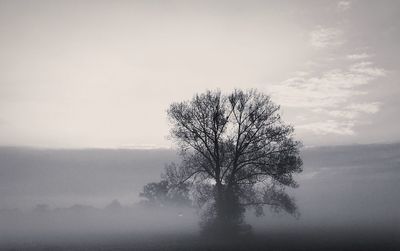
x: 348, y: 114
x: 331, y: 89
x: 368, y: 69
x: 353, y: 111
x: 358, y: 56
x: 323, y: 37
x: 365, y: 107
x: 344, y: 5
x: 330, y: 127
x: 331, y: 94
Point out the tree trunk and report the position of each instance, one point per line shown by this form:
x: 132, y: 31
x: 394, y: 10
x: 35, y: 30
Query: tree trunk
x: 220, y: 204
x: 229, y: 214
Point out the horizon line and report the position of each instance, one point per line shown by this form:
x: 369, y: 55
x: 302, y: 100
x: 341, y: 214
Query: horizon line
x: 151, y: 147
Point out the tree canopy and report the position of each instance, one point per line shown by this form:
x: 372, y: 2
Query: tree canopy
x: 236, y: 153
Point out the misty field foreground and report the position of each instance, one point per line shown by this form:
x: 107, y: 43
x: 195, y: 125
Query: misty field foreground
x: 61, y: 200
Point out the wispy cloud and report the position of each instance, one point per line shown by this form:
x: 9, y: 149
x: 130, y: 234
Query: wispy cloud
x: 367, y: 68
x: 330, y: 89
x: 353, y: 111
x: 348, y: 114
x: 331, y: 94
x: 330, y: 127
x: 358, y: 56
x: 324, y: 37
x: 365, y: 107
x: 344, y: 5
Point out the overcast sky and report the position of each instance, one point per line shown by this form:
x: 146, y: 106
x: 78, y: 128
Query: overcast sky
x: 103, y: 73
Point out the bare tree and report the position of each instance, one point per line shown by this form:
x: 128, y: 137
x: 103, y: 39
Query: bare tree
x: 236, y: 152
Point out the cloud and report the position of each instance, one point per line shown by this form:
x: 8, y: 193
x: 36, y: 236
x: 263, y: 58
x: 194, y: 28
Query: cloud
x: 358, y: 56
x: 343, y: 114
x: 365, y: 107
x: 330, y: 127
x: 344, y: 5
x: 368, y: 69
x: 331, y: 93
x: 352, y: 111
x: 330, y: 89
x: 302, y: 73
x: 323, y: 37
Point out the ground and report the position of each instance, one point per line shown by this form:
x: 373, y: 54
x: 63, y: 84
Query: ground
x: 317, y: 239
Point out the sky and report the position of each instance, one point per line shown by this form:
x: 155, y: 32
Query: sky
x: 78, y: 74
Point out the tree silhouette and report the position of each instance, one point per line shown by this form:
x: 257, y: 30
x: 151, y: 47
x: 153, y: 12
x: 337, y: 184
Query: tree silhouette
x: 236, y: 153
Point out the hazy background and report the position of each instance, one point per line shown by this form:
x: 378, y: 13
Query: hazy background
x: 341, y: 176
x: 350, y: 188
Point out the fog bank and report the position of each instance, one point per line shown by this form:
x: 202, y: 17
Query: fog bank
x: 56, y: 196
